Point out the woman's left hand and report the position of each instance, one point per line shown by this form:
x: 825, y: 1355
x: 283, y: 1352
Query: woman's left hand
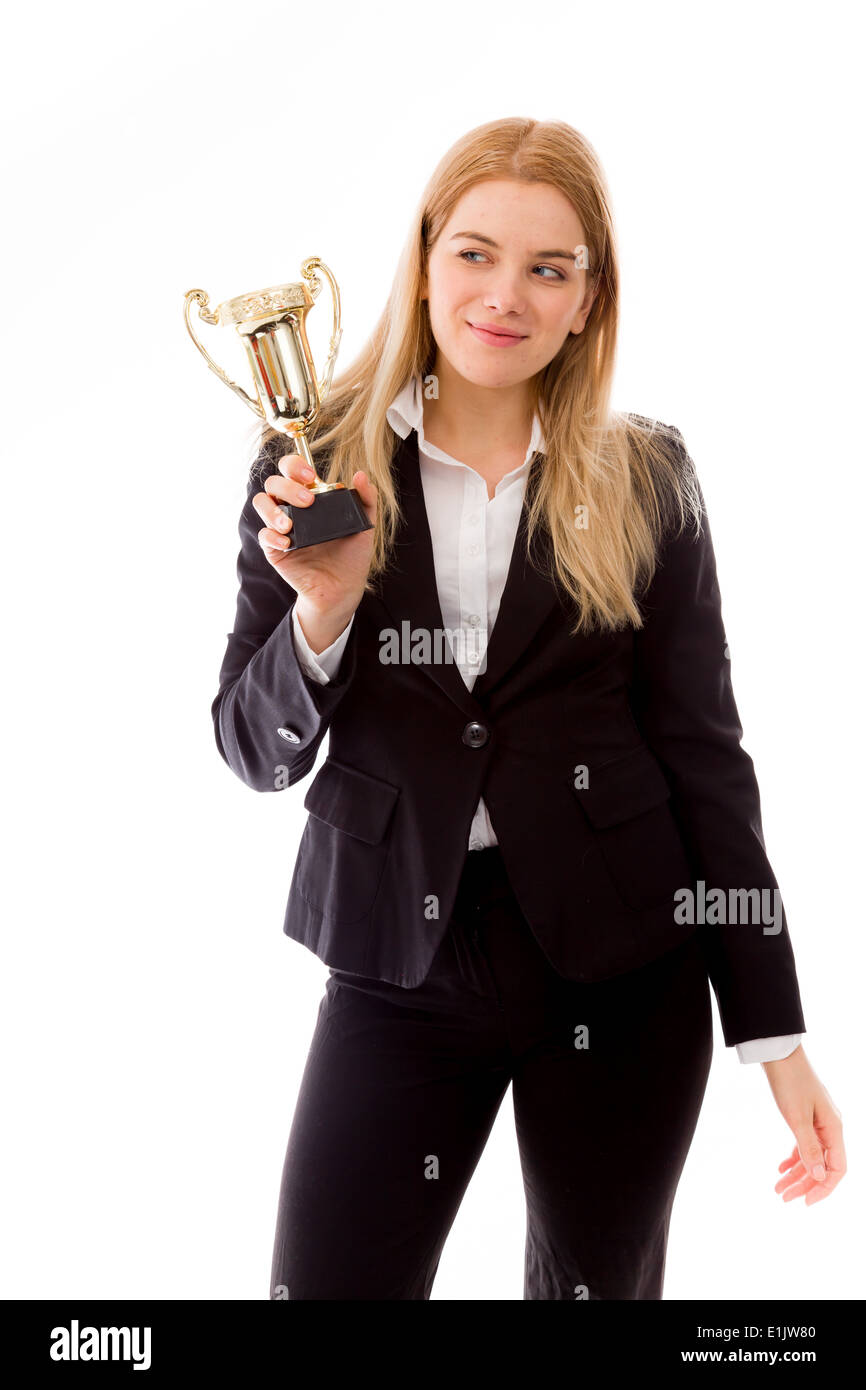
x: 817, y: 1163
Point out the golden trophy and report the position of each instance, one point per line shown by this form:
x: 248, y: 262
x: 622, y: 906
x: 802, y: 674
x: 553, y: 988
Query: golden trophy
x: 272, y: 326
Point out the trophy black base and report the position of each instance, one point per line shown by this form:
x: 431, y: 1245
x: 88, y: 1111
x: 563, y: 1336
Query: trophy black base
x: 328, y: 517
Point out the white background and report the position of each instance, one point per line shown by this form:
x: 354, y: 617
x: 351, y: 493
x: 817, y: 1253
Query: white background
x: 155, y: 1019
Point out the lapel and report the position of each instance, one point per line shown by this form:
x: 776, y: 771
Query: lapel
x: 408, y: 590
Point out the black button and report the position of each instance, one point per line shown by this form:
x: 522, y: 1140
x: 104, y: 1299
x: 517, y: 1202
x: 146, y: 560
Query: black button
x: 475, y: 735
x: 291, y: 735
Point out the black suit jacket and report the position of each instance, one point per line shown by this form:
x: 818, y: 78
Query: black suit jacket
x: 671, y: 797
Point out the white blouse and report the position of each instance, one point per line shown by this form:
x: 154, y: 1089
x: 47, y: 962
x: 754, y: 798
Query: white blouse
x: 471, y: 560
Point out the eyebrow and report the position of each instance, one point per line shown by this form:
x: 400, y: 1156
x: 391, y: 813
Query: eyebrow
x: 488, y: 241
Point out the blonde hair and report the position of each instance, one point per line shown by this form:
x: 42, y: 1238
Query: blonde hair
x: 629, y: 473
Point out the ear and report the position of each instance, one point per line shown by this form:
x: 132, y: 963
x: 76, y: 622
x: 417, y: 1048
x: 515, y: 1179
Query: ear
x: 578, y: 323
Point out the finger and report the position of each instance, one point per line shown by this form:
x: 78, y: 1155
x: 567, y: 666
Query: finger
x: 814, y: 1191
x: 793, y: 1157
x: 823, y: 1189
x: 837, y: 1163
x: 800, y: 1183
x: 811, y: 1152
x: 801, y: 1188
x: 818, y: 1193
x: 294, y: 466
x: 288, y: 490
x: 273, y: 544
x: 367, y: 491
x: 270, y: 511
x: 277, y: 491
x: 795, y: 1175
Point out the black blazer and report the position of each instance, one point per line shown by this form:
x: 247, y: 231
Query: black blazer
x: 671, y: 795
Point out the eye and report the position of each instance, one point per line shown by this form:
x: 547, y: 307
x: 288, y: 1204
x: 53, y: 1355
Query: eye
x: 558, y: 273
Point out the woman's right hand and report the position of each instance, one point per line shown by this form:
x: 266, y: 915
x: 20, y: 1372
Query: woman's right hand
x: 329, y: 578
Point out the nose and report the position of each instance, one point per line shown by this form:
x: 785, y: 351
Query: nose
x: 505, y: 294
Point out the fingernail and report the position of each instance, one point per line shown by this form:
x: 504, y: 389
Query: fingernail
x: 307, y: 471
x: 818, y: 1172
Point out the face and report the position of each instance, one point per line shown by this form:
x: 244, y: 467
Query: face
x: 506, y: 260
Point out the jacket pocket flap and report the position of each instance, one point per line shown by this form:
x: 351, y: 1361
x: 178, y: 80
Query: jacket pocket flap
x: 623, y: 787
x: 350, y: 800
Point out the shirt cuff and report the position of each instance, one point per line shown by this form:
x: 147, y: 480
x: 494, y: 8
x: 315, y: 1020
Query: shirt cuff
x: 320, y: 666
x: 768, y: 1049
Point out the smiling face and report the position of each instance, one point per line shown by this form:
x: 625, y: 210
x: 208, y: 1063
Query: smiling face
x: 505, y: 260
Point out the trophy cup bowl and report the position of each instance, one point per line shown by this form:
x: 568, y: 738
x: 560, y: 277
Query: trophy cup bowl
x: 289, y: 395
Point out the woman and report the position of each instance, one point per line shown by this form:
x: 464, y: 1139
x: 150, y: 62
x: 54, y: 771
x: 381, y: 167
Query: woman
x: 526, y: 857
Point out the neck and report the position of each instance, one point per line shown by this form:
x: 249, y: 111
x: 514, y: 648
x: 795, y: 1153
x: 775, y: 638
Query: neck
x: 480, y: 419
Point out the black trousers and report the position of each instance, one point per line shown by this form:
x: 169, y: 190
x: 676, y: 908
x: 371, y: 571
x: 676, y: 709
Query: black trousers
x: 401, y: 1088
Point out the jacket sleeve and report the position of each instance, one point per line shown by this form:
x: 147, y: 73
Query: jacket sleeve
x: 263, y: 687
x: 683, y: 702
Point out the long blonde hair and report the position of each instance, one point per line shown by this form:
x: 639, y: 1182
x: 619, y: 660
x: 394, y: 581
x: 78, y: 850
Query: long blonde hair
x: 628, y: 473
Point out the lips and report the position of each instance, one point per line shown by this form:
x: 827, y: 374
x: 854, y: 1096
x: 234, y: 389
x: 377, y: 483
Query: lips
x: 495, y: 336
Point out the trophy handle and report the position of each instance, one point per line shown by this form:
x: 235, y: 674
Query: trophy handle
x: 309, y: 266
x: 199, y: 297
